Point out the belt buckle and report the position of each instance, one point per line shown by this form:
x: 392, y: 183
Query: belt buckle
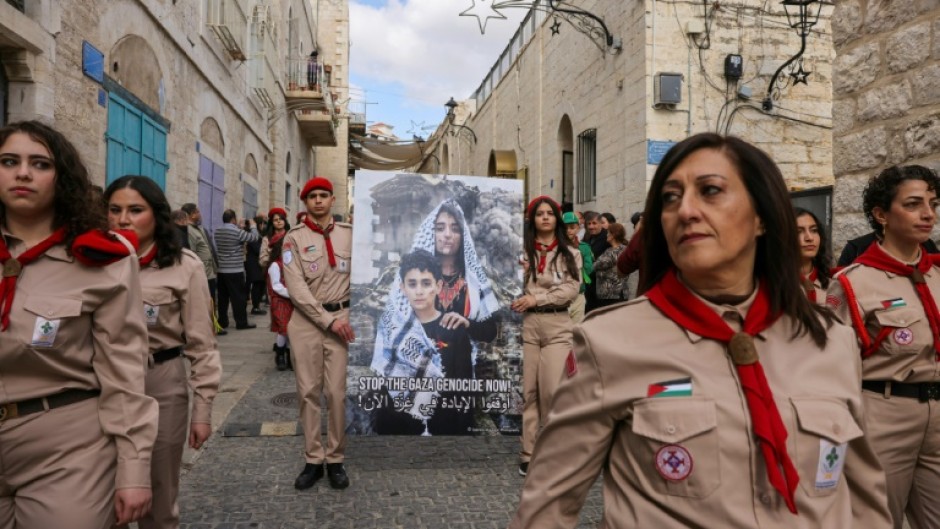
x: 8, y: 411
x: 929, y: 391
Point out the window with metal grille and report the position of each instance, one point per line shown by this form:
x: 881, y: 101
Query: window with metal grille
x: 587, y: 165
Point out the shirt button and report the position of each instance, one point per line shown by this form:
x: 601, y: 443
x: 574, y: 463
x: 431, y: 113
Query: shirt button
x: 837, y: 428
x: 765, y: 498
x: 671, y: 429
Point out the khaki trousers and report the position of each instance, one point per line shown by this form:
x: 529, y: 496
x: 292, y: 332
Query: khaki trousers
x: 167, y: 383
x: 320, y: 359
x: 546, y: 341
x: 905, y: 434
x: 57, y: 470
x: 576, y: 309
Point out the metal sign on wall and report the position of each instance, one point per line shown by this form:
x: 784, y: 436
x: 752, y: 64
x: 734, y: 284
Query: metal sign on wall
x: 656, y: 150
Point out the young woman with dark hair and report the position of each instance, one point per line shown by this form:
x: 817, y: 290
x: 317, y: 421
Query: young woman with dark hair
x: 177, y: 308
x: 722, y: 365
x: 815, y: 260
x: 552, y: 281
x: 75, y: 425
x: 281, y: 306
x: 890, y: 296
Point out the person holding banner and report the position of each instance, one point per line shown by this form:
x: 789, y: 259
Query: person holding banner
x: 317, y: 256
x: 552, y: 281
x: 722, y: 397
x: 890, y: 294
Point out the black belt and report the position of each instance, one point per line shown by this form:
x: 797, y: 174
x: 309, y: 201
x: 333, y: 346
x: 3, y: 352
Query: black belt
x: 333, y: 307
x: 544, y: 310
x: 167, y: 354
x: 13, y: 410
x: 922, y: 391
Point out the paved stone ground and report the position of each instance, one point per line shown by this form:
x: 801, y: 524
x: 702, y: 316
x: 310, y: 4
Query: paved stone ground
x: 243, y: 479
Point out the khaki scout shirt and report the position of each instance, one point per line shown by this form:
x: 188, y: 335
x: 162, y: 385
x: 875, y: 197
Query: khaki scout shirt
x: 178, y: 311
x: 907, y: 354
x: 555, y: 286
x: 96, y: 339
x: 602, y: 419
x: 310, y: 279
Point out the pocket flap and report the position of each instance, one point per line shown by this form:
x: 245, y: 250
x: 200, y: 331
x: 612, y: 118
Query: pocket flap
x: 673, y: 419
x: 827, y: 418
x: 53, y: 308
x: 156, y: 296
x: 900, y: 318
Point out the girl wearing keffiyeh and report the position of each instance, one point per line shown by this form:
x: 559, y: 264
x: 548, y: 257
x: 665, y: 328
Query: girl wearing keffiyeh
x: 402, y: 348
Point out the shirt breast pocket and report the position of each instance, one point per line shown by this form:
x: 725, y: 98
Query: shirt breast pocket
x: 313, y: 264
x: 343, y: 261
x: 52, y: 314
x: 675, y: 450
x: 825, y: 428
x: 902, y: 339
x: 156, y: 301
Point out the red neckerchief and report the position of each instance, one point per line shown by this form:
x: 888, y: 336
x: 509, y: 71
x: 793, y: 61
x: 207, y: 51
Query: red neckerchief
x: 326, y: 236
x: 101, y: 248
x: 809, y: 284
x: 681, y: 306
x: 13, y: 266
x: 147, y: 259
x: 543, y: 251
x: 876, y: 257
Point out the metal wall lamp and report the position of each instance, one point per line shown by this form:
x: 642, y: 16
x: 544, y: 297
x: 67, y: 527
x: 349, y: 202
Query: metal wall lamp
x: 456, y: 128
x: 802, y: 15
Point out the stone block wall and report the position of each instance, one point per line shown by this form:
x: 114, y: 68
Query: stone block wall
x: 886, y: 97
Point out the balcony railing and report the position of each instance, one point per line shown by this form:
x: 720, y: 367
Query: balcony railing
x: 304, y: 74
x: 228, y: 21
x: 19, y: 5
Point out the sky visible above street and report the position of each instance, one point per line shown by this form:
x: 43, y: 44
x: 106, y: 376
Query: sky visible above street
x: 407, y: 57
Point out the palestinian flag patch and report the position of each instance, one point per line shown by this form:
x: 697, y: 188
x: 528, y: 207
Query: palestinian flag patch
x: 671, y: 388
x: 893, y: 303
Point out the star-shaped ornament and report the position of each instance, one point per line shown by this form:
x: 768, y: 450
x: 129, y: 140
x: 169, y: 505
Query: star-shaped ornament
x: 800, y: 75
x: 555, y: 27
x: 483, y: 10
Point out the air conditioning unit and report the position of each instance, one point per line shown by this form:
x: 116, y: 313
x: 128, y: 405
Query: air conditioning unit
x: 667, y: 90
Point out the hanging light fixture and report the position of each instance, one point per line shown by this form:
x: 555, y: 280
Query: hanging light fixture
x: 802, y: 15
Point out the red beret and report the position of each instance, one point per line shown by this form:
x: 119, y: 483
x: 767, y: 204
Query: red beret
x: 538, y: 199
x: 317, y: 182
x: 277, y: 211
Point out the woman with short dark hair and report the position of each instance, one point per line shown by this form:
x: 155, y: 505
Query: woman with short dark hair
x: 890, y: 296
x: 611, y: 286
x: 178, y: 310
x: 722, y: 397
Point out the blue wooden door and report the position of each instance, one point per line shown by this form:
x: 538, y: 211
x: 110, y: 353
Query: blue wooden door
x: 211, y: 193
x: 136, y: 143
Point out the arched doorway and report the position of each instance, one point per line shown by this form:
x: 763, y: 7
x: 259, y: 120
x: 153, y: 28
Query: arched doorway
x: 566, y: 147
x: 502, y: 164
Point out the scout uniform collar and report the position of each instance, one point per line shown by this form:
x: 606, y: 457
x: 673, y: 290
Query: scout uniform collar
x: 543, y: 250
x: 809, y: 284
x: 679, y: 304
x: 12, y: 266
x: 325, y: 232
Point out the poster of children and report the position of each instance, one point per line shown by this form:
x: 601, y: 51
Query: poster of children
x: 437, y: 350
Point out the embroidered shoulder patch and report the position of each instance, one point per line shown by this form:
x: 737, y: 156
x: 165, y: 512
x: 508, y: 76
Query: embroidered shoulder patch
x: 833, y: 301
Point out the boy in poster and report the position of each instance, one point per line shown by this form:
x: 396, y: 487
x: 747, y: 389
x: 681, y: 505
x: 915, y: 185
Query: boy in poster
x: 439, y: 353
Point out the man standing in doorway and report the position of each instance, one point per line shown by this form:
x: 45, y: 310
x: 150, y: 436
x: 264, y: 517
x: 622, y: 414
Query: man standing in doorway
x: 317, y: 261
x: 230, y: 240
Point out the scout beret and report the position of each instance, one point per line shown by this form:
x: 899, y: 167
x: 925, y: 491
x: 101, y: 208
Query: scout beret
x: 536, y: 200
x: 277, y: 211
x: 317, y: 182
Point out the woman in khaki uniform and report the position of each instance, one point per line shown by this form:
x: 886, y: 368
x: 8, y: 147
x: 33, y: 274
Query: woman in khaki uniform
x: 890, y: 296
x: 76, y: 429
x: 722, y: 397
x: 552, y: 281
x: 815, y: 260
x: 177, y: 308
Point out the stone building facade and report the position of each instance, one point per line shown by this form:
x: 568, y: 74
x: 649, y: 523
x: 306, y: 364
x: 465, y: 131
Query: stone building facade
x: 213, y: 99
x: 580, y: 120
x: 886, y: 97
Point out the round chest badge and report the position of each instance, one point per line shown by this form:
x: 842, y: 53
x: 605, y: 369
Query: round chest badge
x: 903, y: 336
x: 314, y: 267
x: 674, y: 462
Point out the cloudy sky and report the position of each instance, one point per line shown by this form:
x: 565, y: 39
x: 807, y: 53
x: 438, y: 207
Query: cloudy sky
x: 407, y: 57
